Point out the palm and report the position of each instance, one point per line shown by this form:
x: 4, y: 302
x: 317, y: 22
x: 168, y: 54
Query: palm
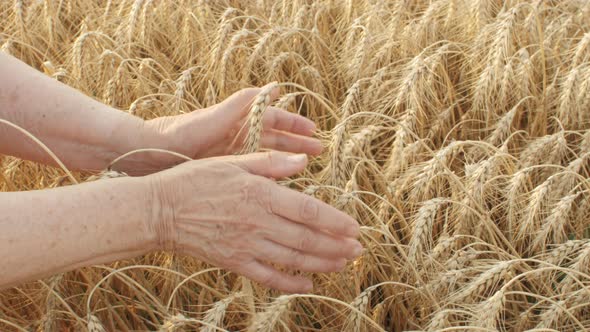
x: 216, y: 130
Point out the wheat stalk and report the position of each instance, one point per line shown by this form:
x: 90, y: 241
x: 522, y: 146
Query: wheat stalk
x: 94, y: 324
x: 554, y: 227
x: 143, y: 34
x: 210, y: 95
x: 50, y: 317
x: 360, y: 304
x: 489, y: 310
x: 579, y: 55
x: 259, y: 49
x: 568, y: 110
x: 214, y: 316
x: 227, y: 54
x: 338, y: 164
x: 133, y: 18
x: 440, y: 320
x: 19, y: 12
x: 259, y: 106
x: 423, y: 229
x: 225, y: 28
x: 265, y: 321
x: 565, y: 251
x: 478, y: 104
x: 360, y: 142
x: 7, y: 47
x: 181, y: 85
x: 106, y: 174
x: 487, y: 280
x: 172, y: 323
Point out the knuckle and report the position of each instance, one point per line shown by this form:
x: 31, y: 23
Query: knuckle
x: 247, y: 92
x: 269, y: 280
x: 309, y: 210
x: 233, y: 132
x: 255, y: 191
x: 292, y: 120
x: 274, y: 117
x: 298, y: 259
x: 246, y: 190
x: 236, y: 260
x: 269, y: 156
x: 275, y: 256
x: 304, y: 241
x: 231, y: 264
x: 264, y: 197
x: 273, y: 204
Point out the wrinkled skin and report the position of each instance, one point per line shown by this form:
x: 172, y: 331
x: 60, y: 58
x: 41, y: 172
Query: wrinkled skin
x: 225, y: 210
x: 228, y: 212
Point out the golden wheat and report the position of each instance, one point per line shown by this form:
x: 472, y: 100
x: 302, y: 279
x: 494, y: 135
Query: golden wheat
x: 458, y: 134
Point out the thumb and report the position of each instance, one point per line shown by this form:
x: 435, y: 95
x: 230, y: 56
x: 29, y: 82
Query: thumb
x: 239, y: 103
x: 271, y: 164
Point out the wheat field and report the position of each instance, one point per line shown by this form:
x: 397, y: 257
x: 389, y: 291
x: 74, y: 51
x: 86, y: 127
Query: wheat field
x: 457, y: 133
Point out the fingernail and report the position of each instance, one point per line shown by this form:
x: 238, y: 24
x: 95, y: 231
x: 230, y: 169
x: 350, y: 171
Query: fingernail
x: 354, y: 230
x: 341, y: 264
x: 358, y: 249
x: 317, y: 146
x: 297, y: 158
x: 311, y: 128
x: 309, y: 286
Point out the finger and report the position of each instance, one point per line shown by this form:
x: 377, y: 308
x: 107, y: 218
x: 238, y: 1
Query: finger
x: 283, y: 141
x: 291, y: 258
x: 279, y: 119
x: 290, y: 132
x: 307, y: 240
x: 307, y: 210
x: 272, y: 164
x: 239, y: 103
x: 273, y: 278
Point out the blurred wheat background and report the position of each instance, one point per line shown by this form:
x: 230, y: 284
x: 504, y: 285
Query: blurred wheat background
x: 458, y: 135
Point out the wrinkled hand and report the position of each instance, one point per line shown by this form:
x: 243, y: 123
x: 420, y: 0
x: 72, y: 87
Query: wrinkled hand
x: 213, y: 131
x: 227, y: 211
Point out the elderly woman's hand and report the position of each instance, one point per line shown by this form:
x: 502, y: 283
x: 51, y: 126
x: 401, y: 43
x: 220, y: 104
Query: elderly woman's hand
x: 227, y: 211
x: 217, y: 130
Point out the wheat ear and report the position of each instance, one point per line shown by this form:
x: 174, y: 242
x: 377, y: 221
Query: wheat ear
x: 214, y: 316
x: 423, y: 229
x: 259, y: 106
x: 266, y: 320
x: 94, y: 324
x: 360, y: 303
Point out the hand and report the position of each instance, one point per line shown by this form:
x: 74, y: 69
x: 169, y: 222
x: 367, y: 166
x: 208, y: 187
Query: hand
x: 212, y: 131
x: 228, y: 212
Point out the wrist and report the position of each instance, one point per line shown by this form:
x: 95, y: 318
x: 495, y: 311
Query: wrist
x: 146, y: 134
x: 159, y: 218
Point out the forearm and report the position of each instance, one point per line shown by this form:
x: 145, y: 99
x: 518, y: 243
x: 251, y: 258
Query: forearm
x: 52, y: 231
x: 84, y: 133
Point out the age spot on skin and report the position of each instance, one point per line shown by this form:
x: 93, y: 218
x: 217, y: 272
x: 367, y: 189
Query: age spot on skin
x: 210, y: 205
x: 218, y: 234
x: 13, y: 97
